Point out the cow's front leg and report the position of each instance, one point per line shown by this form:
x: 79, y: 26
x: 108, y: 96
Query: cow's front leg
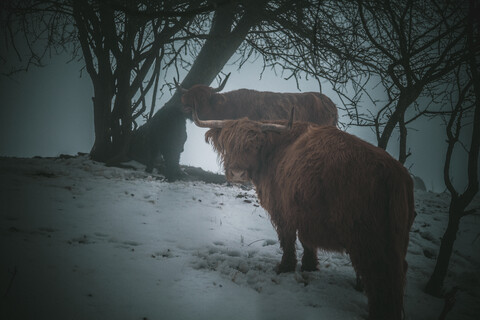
x: 287, y: 243
x: 309, y: 259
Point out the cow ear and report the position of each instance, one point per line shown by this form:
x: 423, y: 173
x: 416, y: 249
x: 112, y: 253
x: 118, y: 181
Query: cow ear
x: 218, y: 99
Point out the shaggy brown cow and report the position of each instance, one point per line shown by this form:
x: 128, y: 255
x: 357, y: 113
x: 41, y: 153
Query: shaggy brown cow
x: 255, y: 105
x: 339, y: 192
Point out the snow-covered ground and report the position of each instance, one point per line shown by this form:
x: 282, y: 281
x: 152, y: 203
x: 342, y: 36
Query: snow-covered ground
x: 79, y: 240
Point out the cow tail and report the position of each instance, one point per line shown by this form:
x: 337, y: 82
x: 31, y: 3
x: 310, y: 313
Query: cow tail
x: 402, y: 212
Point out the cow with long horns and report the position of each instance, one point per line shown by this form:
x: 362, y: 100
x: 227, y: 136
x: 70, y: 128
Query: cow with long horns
x: 209, y: 103
x: 337, y: 191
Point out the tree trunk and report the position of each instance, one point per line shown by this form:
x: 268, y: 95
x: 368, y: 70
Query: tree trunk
x: 406, y: 98
x: 165, y: 133
x: 459, y: 203
x: 102, y: 78
x: 402, y: 154
x: 388, y: 130
x: 122, y: 121
x: 435, y: 284
x: 102, y: 147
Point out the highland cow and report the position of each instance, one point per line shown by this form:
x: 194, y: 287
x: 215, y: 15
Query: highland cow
x: 337, y: 191
x: 256, y: 105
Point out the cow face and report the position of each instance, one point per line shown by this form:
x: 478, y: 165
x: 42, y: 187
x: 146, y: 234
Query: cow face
x: 238, y: 144
x: 206, y: 101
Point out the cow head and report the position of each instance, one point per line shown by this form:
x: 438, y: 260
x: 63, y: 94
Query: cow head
x: 239, y: 143
x: 206, y: 100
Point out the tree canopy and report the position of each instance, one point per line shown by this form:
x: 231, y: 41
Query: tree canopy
x: 422, y: 56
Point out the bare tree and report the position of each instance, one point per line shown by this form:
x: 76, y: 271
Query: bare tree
x: 165, y: 133
x: 400, y: 49
x: 119, y: 51
x: 123, y: 53
x: 425, y: 43
x: 465, y: 114
x: 125, y: 46
x: 404, y: 49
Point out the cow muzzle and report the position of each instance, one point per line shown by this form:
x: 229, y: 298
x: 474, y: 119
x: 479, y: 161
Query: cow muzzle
x: 237, y: 176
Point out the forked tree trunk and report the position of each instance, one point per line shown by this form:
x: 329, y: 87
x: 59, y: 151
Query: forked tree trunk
x: 102, y: 101
x: 405, y: 100
x: 122, y: 121
x: 100, y: 71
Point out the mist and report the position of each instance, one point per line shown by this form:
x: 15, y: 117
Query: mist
x: 48, y: 111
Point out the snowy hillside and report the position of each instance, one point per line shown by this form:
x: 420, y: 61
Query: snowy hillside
x: 79, y: 240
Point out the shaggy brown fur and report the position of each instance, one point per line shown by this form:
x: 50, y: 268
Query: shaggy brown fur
x: 339, y: 192
x: 255, y: 105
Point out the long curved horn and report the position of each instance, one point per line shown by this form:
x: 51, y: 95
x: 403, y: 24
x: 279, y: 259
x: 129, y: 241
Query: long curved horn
x: 207, y: 123
x: 279, y: 127
x: 179, y: 86
x: 222, y: 85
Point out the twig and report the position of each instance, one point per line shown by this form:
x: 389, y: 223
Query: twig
x: 255, y: 241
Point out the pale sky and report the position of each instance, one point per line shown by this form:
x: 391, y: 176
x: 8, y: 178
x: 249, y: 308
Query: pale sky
x: 48, y: 111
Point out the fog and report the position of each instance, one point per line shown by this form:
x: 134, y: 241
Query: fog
x: 48, y: 111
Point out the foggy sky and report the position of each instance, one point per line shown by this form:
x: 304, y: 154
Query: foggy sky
x: 48, y: 111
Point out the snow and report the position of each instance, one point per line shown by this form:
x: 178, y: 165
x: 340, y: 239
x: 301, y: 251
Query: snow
x: 79, y: 240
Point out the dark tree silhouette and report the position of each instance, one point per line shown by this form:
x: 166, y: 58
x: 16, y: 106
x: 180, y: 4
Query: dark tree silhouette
x: 465, y: 103
x: 403, y: 49
x: 119, y: 51
x: 126, y: 45
x: 123, y: 53
x: 165, y: 134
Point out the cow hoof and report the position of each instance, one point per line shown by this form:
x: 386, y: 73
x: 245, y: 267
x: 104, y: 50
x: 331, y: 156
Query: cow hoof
x: 285, y: 268
x: 309, y: 267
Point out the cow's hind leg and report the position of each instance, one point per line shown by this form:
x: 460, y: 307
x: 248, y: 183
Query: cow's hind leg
x: 309, y: 258
x: 358, y: 280
x: 287, y: 239
x: 383, y: 277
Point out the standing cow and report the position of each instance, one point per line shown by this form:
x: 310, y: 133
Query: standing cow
x: 339, y: 192
x: 256, y: 105
x: 210, y: 104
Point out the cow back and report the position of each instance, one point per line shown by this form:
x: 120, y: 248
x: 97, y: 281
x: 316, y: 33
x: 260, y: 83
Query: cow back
x: 256, y: 105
